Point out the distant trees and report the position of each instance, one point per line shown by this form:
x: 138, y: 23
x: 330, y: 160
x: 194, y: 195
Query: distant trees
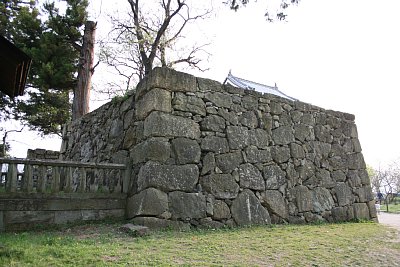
x: 55, y: 46
x: 386, y: 181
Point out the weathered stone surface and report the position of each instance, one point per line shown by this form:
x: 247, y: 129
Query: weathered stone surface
x: 167, y: 79
x: 339, y: 214
x: 149, y: 202
x: 167, y: 125
x: 249, y: 119
x: 361, y: 211
x: 259, y: 138
x: 213, y: 123
x: 255, y: 155
x: 208, y: 163
x: 303, y: 198
x: 250, y: 177
x: 229, y: 116
x: 275, y: 203
x: 229, y: 161
x: 154, y: 149
x: 168, y: 177
x: 283, y: 135
x: 274, y: 177
x: 247, y: 210
x: 364, y: 194
x: 214, y: 144
x: 190, y: 104
x: 186, y: 150
x: 250, y: 102
x: 117, y: 128
x: 324, y: 176
x: 187, y: 205
x: 280, y: 154
x: 302, y: 132
x: 219, y: 99
x: 238, y: 137
x: 355, y: 161
x: 322, y: 200
x: 297, y: 151
x: 338, y: 176
x: 221, y: 186
x: 343, y: 194
x: 221, y: 210
x: 155, y: 100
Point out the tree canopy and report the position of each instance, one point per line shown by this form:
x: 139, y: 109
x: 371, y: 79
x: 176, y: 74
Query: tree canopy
x: 54, y: 46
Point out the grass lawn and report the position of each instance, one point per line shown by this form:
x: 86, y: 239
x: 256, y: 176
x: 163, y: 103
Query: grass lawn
x: 347, y: 244
x: 393, y: 208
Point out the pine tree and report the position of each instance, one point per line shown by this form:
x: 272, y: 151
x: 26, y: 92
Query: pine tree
x: 54, y: 45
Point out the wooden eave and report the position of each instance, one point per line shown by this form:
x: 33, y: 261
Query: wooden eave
x: 14, y: 68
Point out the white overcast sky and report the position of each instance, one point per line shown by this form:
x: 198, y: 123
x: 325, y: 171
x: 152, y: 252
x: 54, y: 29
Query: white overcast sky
x: 337, y: 54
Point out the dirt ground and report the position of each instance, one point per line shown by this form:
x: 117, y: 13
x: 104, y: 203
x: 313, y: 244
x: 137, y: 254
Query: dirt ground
x: 391, y: 220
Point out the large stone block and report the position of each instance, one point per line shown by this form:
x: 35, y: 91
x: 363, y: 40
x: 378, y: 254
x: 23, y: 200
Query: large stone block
x: 213, y: 123
x: 259, y: 138
x: 249, y: 119
x: 283, y: 135
x: 167, y: 125
x: 168, y: 177
x: 303, y: 198
x: 208, y: 163
x: 247, y: 210
x: 322, y: 200
x: 280, y: 154
x: 254, y: 155
x: 187, y: 205
x: 238, y: 137
x: 155, y: 149
x: 250, y: 177
x: 344, y: 194
x: 361, y: 211
x: 221, y: 210
x: 167, y: 79
x: 274, y: 177
x: 214, y: 144
x: 229, y: 161
x: 155, y: 100
x: 222, y: 186
x: 275, y: 203
x: 219, y: 99
x: 149, y: 202
x: 192, y: 104
x: 186, y: 150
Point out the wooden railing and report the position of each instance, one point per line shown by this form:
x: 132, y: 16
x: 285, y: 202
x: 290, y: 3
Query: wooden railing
x: 54, y: 176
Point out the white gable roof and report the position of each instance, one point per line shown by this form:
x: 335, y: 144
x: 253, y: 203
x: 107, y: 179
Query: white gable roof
x: 249, y: 85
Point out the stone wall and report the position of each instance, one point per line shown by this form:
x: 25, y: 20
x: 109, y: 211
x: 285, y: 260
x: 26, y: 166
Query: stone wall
x: 43, y: 154
x: 205, y: 154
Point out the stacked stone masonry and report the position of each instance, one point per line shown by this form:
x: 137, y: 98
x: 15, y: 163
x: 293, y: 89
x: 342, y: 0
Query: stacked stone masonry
x: 210, y: 155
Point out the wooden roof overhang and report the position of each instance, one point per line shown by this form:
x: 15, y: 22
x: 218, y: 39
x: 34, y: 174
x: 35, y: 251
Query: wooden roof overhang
x: 14, y: 68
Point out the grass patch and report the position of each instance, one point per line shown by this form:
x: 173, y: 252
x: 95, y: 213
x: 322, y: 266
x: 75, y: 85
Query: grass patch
x: 348, y: 244
x: 393, y: 208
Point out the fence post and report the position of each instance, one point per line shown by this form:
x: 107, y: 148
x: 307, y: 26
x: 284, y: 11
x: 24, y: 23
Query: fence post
x: 55, y: 188
x: 11, y: 180
x: 28, y: 179
x: 127, y: 176
x: 42, y: 179
x: 68, y: 179
x: 82, y: 180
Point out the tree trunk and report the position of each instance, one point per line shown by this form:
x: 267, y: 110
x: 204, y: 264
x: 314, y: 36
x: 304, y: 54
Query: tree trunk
x: 80, y: 105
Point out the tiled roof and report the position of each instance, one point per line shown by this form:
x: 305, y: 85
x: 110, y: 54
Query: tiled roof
x: 249, y: 85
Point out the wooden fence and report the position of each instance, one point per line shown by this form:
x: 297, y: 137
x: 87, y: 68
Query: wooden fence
x: 54, y: 176
x: 44, y: 192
